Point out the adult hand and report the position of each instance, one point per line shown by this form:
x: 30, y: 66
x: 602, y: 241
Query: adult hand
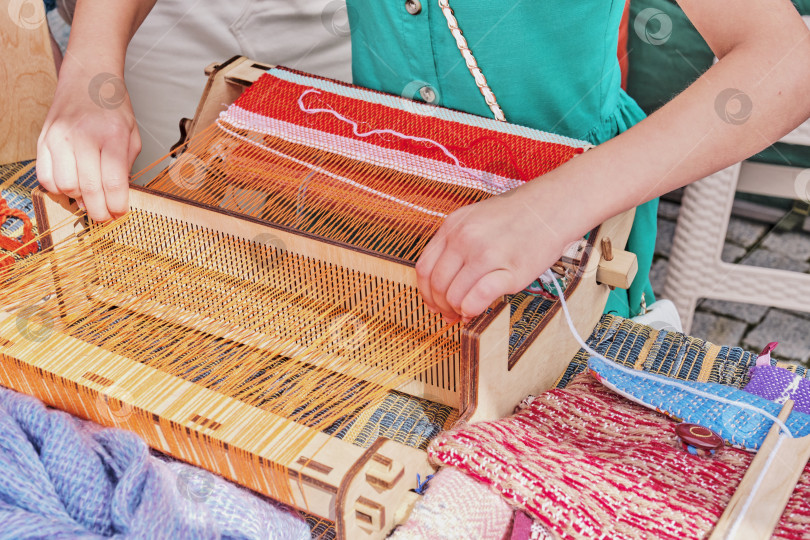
x: 90, y: 140
x: 488, y: 249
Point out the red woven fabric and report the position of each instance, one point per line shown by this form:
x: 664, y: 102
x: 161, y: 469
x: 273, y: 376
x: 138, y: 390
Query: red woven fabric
x: 476, y: 147
x: 589, y: 464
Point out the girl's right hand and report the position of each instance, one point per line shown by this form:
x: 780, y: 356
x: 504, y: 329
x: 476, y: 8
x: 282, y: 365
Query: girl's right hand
x: 90, y: 140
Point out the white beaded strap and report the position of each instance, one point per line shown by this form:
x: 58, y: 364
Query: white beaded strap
x: 472, y: 64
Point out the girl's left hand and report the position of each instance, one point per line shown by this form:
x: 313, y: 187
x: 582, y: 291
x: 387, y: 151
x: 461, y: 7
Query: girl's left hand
x: 485, y: 250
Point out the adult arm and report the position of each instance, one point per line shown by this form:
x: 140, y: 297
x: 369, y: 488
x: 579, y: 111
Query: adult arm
x: 755, y: 94
x: 90, y: 138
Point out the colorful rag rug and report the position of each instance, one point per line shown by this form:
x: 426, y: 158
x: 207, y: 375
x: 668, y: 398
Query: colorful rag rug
x: 672, y: 354
x: 16, y: 182
x: 587, y: 463
x: 17, y: 226
x: 62, y: 477
x: 402, y: 418
x: 744, y: 424
x: 778, y: 384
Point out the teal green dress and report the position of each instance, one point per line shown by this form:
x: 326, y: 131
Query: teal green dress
x: 552, y: 66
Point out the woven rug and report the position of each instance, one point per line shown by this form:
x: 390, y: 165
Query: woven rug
x: 516, y: 457
x: 526, y: 310
x: 668, y: 353
x: 402, y: 418
x: 16, y: 182
x: 587, y: 463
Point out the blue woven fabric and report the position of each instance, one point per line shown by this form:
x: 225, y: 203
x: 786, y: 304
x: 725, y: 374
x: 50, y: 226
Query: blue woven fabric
x: 672, y: 354
x: 737, y: 425
x: 61, y: 477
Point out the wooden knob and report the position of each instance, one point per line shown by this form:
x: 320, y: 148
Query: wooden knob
x: 697, y: 439
x: 619, y: 270
x: 607, y: 249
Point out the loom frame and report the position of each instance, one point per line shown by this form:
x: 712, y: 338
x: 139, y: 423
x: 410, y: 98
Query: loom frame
x: 365, y: 492
x: 359, y: 489
x: 550, y: 342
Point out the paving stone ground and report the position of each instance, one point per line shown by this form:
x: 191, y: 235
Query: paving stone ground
x: 745, y: 325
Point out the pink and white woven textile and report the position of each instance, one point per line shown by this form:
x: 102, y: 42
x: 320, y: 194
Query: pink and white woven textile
x: 587, y: 463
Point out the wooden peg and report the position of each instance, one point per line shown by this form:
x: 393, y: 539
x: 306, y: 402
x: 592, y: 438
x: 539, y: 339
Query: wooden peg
x: 369, y: 514
x: 607, y: 249
x: 755, y: 508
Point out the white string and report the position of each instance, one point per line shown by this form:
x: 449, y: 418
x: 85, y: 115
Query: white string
x: 323, y: 171
x: 549, y: 277
x: 355, y: 130
x: 646, y: 376
x: 760, y: 478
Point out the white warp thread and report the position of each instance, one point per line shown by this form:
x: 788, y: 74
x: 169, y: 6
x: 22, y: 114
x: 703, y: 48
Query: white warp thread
x: 324, y: 172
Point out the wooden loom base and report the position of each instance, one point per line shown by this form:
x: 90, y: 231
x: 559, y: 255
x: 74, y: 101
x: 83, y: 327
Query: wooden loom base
x: 359, y: 489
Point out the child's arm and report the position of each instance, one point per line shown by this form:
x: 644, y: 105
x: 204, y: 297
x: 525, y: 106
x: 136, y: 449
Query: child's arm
x: 756, y: 93
x: 90, y: 137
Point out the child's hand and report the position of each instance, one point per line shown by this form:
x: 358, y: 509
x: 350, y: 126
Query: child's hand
x: 486, y: 250
x: 89, y: 140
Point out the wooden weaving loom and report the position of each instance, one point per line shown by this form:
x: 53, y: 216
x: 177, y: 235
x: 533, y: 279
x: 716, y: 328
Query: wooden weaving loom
x: 262, y: 291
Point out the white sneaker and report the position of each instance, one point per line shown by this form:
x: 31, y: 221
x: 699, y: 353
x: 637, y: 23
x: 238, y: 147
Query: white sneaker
x: 661, y: 315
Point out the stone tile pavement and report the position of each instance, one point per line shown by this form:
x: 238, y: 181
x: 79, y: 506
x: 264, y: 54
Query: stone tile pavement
x: 746, y: 325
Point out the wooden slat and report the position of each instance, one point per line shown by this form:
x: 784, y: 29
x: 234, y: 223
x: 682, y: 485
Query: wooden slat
x: 754, y: 510
x: 249, y: 228
x: 252, y: 430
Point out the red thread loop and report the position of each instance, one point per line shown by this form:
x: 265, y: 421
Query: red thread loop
x: 25, y: 245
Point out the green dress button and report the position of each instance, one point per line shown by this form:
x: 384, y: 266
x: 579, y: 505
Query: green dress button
x: 414, y: 7
x: 428, y: 94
